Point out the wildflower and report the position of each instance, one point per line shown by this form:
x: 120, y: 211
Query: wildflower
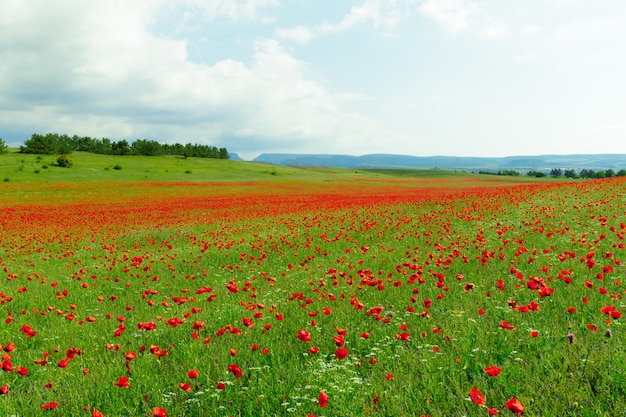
x: 122, y: 382
x: 570, y: 336
x: 50, y: 406
x: 304, y: 336
x: 505, y: 325
x: 341, y: 353
x: 235, y: 369
x: 322, y: 399
x: 159, y: 412
x: 492, y: 370
x: 192, y: 374
x: 477, y: 397
x: 515, y: 406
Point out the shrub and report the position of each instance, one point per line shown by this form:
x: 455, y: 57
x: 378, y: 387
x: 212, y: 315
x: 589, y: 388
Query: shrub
x: 117, y: 167
x: 64, y: 161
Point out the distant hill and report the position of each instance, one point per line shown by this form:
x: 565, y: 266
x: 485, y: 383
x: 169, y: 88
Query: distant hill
x: 517, y: 163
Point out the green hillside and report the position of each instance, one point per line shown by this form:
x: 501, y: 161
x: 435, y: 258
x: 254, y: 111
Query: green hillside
x: 15, y: 166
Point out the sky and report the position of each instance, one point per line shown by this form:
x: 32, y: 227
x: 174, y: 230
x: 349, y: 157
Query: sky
x: 355, y: 77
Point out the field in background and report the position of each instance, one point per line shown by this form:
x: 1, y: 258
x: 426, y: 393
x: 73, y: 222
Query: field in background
x: 248, y: 289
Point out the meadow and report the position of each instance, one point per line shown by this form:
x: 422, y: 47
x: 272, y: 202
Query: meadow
x: 173, y: 287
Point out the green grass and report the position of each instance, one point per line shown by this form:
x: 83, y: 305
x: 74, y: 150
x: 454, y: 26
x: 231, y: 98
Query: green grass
x: 15, y: 166
x: 138, y: 253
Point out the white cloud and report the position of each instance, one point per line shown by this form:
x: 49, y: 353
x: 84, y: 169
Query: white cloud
x: 382, y: 14
x: 530, y: 30
x: 453, y: 15
x: 96, y: 68
x: 299, y: 34
x: 457, y: 16
x: 234, y: 9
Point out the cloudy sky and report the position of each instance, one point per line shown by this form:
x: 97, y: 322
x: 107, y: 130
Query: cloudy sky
x: 416, y: 77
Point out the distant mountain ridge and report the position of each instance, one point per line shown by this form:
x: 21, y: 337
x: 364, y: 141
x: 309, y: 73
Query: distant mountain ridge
x: 517, y: 163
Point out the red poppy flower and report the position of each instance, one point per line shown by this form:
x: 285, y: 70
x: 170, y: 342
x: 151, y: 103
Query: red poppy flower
x: 185, y: 386
x: 7, y: 366
x: 192, y: 374
x: 50, y: 406
x: 322, y: 399
x: 22, y: 371
x: 159, y: 412
x: 492, y: 411
x: 492, y: 370
x: 221, y: 386
x: 341, y: 353
x: 235, y: 369
x: 505, y: 325
x: 4, y: 390
x: 122, y: 382
x: 304, y: 336
x: 96, y: 413
x: 515, y: 406
x: 607, y: 309
x: 477, y: 397
x: 198, y: 325
x: 313, y: 350
x: 404, y: 336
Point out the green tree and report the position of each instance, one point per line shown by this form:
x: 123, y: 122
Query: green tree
x: 146, y: 147
x: 586, y: 173
x: 39, y: 144
x: 556, y: 172
x: 609, y: 173
x: 570, y: 173
x: 120, y: 147
x: 3, y: 146
x: 224, y: 155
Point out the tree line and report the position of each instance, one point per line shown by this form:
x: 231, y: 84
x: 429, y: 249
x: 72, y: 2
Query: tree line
x: 54, y: 144
x: 567, y: 173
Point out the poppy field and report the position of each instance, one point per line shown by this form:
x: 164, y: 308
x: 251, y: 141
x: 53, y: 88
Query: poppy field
x: 381, y: 297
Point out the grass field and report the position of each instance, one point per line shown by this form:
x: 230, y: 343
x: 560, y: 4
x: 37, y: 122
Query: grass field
x: 249, y: 289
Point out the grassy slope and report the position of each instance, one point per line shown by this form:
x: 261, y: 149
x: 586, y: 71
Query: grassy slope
x: 90, y: 167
